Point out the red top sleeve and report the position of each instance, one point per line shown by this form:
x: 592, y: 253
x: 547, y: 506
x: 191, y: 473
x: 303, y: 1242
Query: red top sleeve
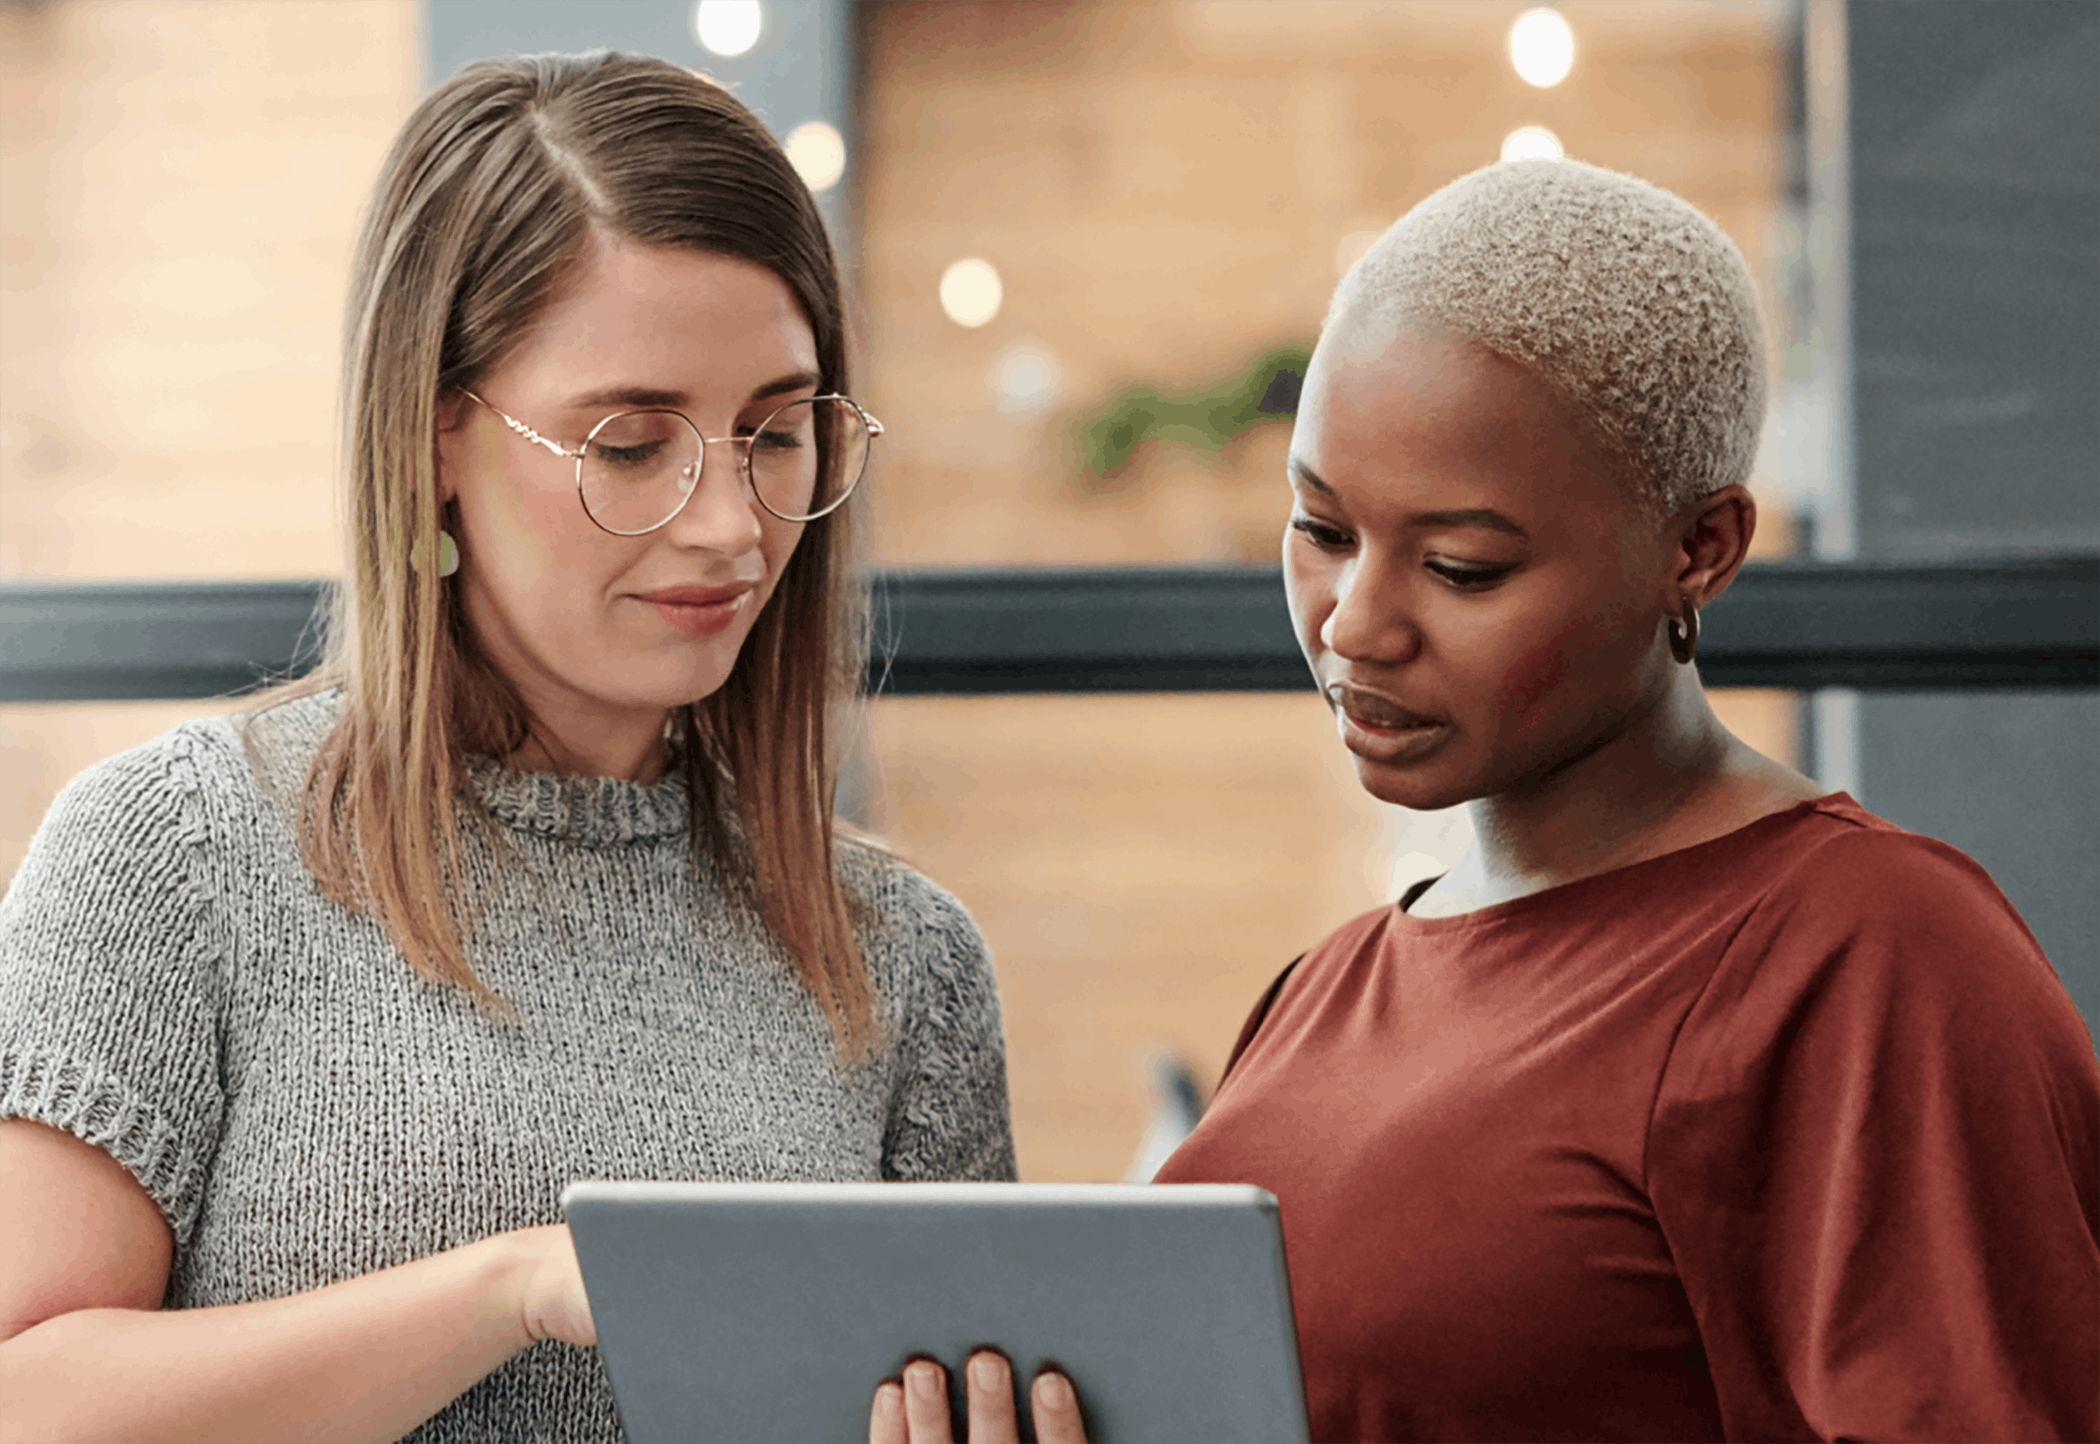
x: 1875, y: 1156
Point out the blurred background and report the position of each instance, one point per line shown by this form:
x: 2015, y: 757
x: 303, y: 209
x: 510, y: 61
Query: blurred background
x: 1089, y: 243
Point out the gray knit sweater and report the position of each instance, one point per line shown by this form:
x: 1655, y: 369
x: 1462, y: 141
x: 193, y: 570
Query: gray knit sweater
x: 175, y: 989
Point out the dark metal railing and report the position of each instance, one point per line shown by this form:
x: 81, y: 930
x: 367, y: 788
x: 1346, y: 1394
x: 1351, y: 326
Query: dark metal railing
x: 2001, y: 624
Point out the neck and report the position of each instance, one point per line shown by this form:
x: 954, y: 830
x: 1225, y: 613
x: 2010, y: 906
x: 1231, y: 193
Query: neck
x: 1600, y: 802
x: 636, y: 752
x: 1670, y: 777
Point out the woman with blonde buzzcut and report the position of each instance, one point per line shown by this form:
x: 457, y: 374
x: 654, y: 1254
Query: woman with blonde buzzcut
x: 307, y: 1016
x: 1694, y: 1102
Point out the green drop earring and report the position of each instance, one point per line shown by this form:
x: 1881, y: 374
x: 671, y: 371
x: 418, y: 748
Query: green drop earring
x: 448, y: 554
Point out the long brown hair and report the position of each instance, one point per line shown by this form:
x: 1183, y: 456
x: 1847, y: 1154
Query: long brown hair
x: 482, y: 211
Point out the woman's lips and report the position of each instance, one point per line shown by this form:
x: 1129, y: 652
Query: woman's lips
x: 1379, y: 729
x: 698, y: 611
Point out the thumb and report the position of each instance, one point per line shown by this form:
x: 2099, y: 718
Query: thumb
x: 556, y: 1305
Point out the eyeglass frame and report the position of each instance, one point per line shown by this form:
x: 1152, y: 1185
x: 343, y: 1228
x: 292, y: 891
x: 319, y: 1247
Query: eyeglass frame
x: 582, y: 453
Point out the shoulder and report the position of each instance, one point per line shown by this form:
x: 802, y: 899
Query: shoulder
x: 154, y: 794
x: 135, y: 841
x: 1837, y: 843
x: 232, y: 761
x: 911, y: 923
x: 1337, y: 961
x: 176, y: 806
x: 1330, y: 968
x: 280, y: 738
x: 1858, y: 885
x: 1879, y: 941
x: 1368, y: 929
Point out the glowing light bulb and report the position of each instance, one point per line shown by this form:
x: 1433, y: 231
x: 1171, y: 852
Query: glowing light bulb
x: 1542, y: 47
x: 1532, y: 142
x: 818, y: 153
x: 728, y: 27
x: 970, y: 292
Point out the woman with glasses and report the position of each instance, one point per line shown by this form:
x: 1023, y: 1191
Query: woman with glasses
x: 1694, y: 1102
x: 307, y: 1017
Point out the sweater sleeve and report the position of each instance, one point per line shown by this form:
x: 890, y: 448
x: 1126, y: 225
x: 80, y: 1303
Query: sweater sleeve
x: 109, y: 974
x: 1873, y: 1155
x: 949, y: 1116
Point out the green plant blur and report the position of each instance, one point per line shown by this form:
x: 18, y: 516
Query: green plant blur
x: 1266, y: 390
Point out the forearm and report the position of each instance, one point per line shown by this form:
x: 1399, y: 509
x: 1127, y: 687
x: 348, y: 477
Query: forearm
x: 366, y: 1359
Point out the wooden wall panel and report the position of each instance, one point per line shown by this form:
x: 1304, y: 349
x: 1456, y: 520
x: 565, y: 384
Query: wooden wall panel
x: 1163, y: 185
x: 180, y: 183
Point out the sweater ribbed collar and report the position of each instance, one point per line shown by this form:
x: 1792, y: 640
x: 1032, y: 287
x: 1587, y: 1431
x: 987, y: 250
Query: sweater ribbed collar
x: 591, y: 811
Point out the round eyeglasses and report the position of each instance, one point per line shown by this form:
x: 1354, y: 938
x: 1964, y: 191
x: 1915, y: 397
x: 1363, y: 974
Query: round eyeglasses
x: 636, y: 469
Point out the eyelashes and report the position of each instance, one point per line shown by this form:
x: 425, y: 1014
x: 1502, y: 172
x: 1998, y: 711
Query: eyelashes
x: 1461, y: 577
x: 1319, y: 533
x: 1469, y: 579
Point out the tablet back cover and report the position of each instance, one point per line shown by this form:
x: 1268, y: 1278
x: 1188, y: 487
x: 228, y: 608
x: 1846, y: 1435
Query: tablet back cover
x: 760, y: 1312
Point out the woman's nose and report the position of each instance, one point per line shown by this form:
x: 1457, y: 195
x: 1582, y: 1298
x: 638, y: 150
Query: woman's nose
x: 721, y: 515
x: 1371, y: 620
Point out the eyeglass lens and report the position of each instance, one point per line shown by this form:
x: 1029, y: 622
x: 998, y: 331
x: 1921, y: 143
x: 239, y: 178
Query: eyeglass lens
x: 639, y: 467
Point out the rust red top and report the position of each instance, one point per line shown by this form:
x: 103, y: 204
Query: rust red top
x: 1791, y: 1135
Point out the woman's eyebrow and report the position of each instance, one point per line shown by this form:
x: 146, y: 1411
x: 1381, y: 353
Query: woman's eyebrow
x: 797, y: 381
x: 627, y: 394
x: 1479, y: 516
x: 1310, y: 477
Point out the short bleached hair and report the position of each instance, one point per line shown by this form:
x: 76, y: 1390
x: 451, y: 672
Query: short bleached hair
x: 1621, y: 297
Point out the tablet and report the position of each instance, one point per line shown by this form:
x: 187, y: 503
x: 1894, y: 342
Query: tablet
x: 769, y: 1311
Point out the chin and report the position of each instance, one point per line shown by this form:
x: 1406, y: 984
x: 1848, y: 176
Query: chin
x: 1416, y: 789
x: 670, y: 687
x: 698, y: 689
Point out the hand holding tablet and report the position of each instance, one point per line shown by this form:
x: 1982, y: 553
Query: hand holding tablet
x: 917, y: 1410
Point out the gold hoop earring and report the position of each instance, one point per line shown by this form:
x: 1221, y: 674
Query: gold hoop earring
x: 448, y: 554
x: 1684, y: 632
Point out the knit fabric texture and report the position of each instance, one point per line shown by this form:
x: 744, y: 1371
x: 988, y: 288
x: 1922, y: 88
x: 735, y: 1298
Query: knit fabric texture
x: 305, y: 1109
x: 1620, y: 296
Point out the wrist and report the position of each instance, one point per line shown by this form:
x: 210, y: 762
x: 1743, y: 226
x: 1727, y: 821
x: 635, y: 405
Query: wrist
x: 506, y: 1269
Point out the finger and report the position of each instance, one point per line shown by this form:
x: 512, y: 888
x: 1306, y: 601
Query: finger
x: 990, y: 1385
x: 553, y: 1304
x: 926, y: 1403
x: 582, y: 1328
x: 886, y: 1419
x: 1056, y: 1410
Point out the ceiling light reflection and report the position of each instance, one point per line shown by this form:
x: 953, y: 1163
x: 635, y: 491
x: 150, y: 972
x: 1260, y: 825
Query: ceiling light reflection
x: 818, y: 153
x: 1542, y: 47
x: 1532, y: 142
x: 1027, y: 379
x: 728, y: 27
